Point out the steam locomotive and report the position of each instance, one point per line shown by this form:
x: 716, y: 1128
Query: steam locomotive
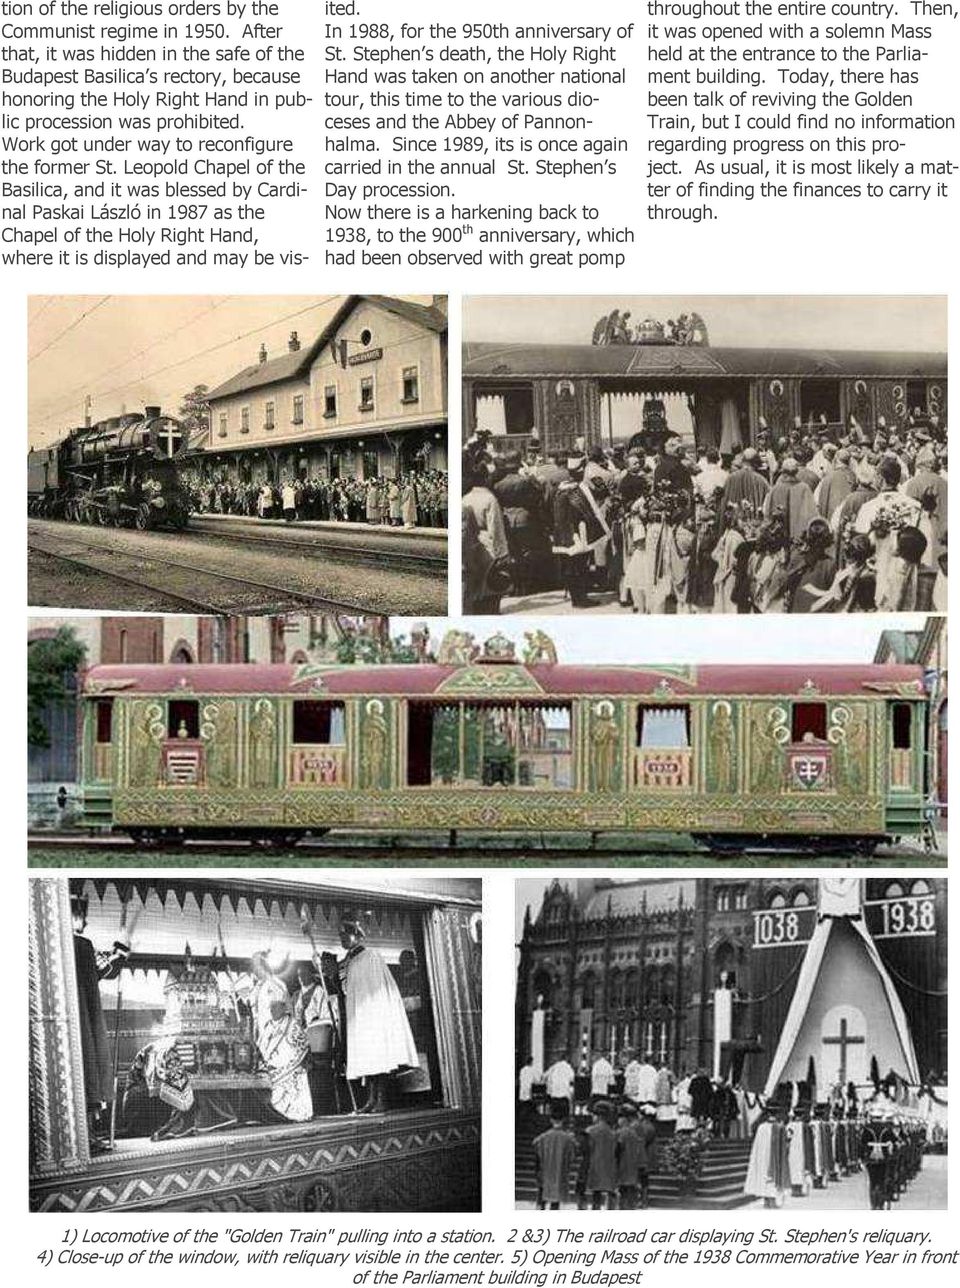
x: 122, y: 471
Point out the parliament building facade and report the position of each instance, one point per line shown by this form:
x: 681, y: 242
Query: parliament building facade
x: 634, y: 966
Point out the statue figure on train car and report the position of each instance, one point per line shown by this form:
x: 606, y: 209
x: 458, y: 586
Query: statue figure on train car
x: 457, y: 648
x: 600, y: 330
x: 698, y: 331
x: 620, y: 332
x: 539, y: 649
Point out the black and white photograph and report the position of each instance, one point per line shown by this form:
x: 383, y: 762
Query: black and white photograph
x: 723, y: 454
x: 225, y: 454
x: 732, y: 1042
x: 205, y: 1044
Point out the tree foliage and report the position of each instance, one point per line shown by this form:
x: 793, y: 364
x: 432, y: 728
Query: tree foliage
x: 51, y: 667
x: 194, y: 411
x: 368, y: 650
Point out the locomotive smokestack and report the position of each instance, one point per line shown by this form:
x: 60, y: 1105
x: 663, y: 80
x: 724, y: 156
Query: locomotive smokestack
x: 151, y: 413
x: 263, y: 354
x: 293, y: 344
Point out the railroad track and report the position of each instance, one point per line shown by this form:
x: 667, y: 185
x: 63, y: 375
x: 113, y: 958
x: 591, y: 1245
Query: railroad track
x: 234, y: 599
x: 347, y: 848
x: 331, y: 546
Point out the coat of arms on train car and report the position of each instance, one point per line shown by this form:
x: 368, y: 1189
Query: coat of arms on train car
x: 808, y: 767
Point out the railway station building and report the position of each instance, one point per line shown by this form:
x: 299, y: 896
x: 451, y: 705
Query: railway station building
x: 366, y: 397
x: 637, y: 967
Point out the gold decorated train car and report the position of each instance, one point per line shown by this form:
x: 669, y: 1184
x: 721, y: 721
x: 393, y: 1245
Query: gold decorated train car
x: 730, y: 754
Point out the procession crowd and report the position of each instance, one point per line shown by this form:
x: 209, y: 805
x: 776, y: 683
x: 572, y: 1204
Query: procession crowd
x: 601, y: 1134
x: 825, y: 519
x: 409, y: 500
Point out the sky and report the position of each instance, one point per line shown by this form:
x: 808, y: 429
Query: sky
x: 911, y: 322
x: 128, y: 351
x: 704, y: 638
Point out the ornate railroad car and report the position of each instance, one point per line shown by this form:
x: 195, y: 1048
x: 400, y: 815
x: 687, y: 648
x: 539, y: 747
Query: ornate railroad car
x: 731, y: 754
x: 122, y: 471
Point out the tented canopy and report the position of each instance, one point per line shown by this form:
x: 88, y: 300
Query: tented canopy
x: 844, y: 1012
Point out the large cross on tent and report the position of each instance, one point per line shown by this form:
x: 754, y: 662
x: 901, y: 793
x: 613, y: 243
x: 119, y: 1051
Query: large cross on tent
x: 843, y: 1039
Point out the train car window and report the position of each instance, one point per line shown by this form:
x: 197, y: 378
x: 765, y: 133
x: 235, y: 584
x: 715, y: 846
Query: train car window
x: 893, y: 891
x: 809, y: 720
x: 105, y: 720
x: 801, y: 899
x: 318, y: 722
x: 921, y: 887
x: 661, y: 726
x: 515, y: 744
x: 902, y: 725
x: 183, y: 718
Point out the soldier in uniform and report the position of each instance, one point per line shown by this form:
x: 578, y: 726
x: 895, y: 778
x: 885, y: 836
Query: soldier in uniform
x: 877, y: 1146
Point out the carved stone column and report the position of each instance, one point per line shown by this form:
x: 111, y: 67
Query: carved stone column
x: 58, y: 1116
x: 453, y: 960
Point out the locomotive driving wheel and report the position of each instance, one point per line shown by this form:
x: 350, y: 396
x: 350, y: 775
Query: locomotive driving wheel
x: 142, y: 518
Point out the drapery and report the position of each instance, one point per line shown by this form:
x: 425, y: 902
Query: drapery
x: 806, y: 983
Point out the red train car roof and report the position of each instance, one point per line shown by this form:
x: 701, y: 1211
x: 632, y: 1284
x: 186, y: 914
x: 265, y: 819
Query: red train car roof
x: 502, y: 680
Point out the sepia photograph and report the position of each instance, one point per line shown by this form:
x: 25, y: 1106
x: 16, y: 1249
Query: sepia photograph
x: 293, y: 740
x: 261, y: 1045
x: 228, y: 454
x: 719, y: 1043
x: 724, y: 454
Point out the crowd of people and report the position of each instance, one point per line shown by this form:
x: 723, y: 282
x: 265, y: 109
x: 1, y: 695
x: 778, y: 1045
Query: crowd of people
x: 415, y: 499
x: 600, y: 1133
x: 824, y: 519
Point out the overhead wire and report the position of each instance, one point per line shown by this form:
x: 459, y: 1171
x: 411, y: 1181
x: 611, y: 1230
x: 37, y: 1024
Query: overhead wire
x: 75, y: 323
x: 103, y: 393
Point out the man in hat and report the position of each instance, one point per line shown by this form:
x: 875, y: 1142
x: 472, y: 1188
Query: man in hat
x: 98, y: 1063
x: 380, y: 1041
x: 602, y: 1157
x: 554, y: 1151
x: 628, y: 1157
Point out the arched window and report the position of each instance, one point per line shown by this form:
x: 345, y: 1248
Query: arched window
x: 800, y: 899
x: 777, y: 899
x: 631, y: 991
x: 588, y: 991
x: 921, y: 887
x: 668, y: 986
x: 616, y: 989
x: 893, y: 891
x: 542, y: 987
x: 725, y: 962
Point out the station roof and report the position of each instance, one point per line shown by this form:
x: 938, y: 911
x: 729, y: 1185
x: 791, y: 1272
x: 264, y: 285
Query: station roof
x: 652, y: 361
x: 502, y: 682
x: 296, y: 365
